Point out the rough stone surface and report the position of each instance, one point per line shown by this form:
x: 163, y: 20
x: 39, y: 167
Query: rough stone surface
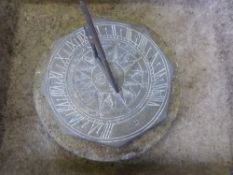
x: 199, y: 33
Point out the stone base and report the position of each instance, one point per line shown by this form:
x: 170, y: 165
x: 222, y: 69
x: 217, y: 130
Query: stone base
x: 94, y: 151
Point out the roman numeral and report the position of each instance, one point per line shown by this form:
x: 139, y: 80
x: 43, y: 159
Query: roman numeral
x: 72, y: 43
x: 64, y: 58
x: 63, y: 105
x: 107, y: 130
x: 57, y: 91
x: 69, y: 112
x: 148, y: 51
x: 128, y: 34
x: 155, y: 101
x: 114, y: 30
x: 161, y: 86
x: 73, y: 121
x: 142, y: 44
x: 106, y: 31
x: 55, y: 75
x: 82, y: 37
x: 160, y: 73
x: 95, y: 127
x: 158, y: 92
x: 152, y: 60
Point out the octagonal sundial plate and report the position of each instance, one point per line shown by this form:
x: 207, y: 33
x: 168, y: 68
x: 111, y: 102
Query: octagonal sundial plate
x: 84, y: 102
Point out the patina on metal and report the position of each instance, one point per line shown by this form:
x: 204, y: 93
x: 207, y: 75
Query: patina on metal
x: 80, y: 88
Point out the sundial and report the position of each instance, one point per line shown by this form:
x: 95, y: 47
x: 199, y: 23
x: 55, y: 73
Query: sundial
x: 107, y: 82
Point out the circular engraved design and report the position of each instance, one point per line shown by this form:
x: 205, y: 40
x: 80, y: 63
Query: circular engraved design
x: 83, y: 100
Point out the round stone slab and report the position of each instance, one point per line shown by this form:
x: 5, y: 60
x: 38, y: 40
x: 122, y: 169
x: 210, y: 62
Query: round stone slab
x: 84, y: 102
x: 79, y: 124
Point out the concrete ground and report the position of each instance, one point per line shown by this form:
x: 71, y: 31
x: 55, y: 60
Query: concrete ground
x: 199, y: 33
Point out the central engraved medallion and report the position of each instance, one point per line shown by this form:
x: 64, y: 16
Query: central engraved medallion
x: 87, y: 105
